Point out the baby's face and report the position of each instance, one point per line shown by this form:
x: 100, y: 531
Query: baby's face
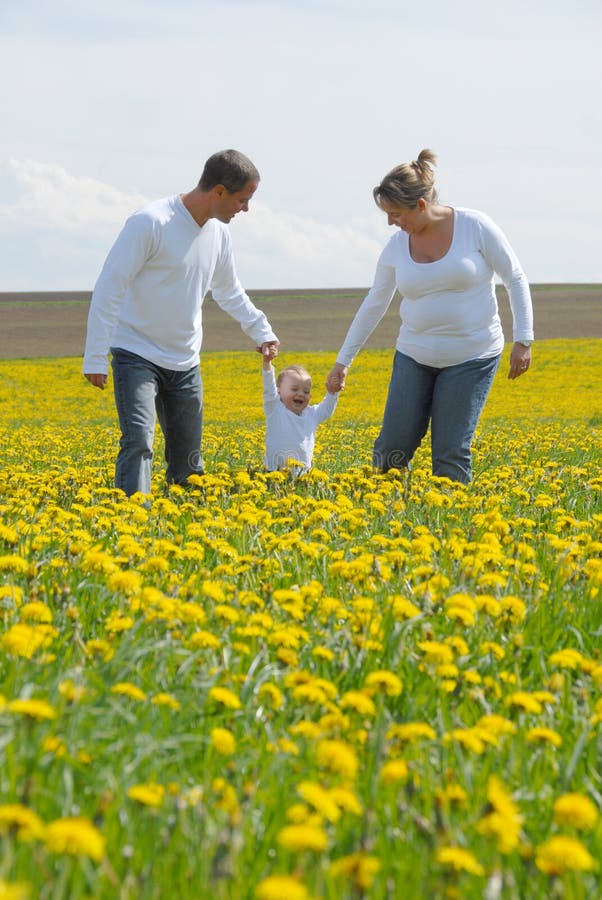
x: 295, y: 391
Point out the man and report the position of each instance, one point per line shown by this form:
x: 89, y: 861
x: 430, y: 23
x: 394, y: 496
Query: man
x: 146, y: 309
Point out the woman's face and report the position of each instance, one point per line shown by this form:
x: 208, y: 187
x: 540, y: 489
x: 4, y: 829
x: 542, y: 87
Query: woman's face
x: 409, y: 220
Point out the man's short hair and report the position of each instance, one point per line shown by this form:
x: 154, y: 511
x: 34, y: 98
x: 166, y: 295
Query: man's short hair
x: 228, y: 167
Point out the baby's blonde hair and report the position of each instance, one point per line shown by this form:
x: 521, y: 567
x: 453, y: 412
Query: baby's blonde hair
x: 298, y: 370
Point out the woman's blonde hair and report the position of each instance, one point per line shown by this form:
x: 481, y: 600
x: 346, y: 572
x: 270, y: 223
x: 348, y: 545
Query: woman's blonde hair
x: 406, y: 184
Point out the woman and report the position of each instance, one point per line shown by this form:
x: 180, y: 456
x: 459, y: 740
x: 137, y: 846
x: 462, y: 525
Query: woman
x: 442, y: 261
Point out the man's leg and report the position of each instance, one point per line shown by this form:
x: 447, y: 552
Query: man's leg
x: 458, y: 400
x: 135, y: 382
x: 407, y: 413
x: 180, y: 412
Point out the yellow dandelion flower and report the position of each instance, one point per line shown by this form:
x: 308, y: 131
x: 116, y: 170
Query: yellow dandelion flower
x: 359, y: 868
x: 127, y: 583
x: 224, y: 696
x: 323, y: 653
x: 394, y: 770
x: 560, y: 854
x: 451, y: 795
x: 309, y: 693
x: 204, y: 640
x: 337, y: 756
x: 25, y: 640
x: 458, y: 644
x: 150, y: 794
x: 576, y: 810
x: 359, y: 702
x: 72, y: 692
x: 411, y: 731
x: 567, y: 659
x: 299, y: 813
x: 281, y: 887
x: 461, y: 615
x: 544, y: 736
x: 318, y: 797
x: 469, y: 738
x: 525, y: 701
x: 117, y: 623
x: 14, y: 564
x: 504, y: 821
x: 126, y: 689
x: 33, y: 709
x: 75, y: 836
x: 436, y: 652
x: 306, y: 729
x: 404, y: 609
x: 287, y: 656
x: 497, y: 725
x: 16, y: 817
x: 513, y: 609
x: 36, y: 612
x: 544, y: 697
x: 54, y: 745
x: 16, y: 890
x: 100, y: 648
x: 287, y: 746
x: 11, y: 592
x: 272, y: 694
x: 223, y: 741
x: 164, y: 699
x: 296, y: 838
x: 494, y: 648
x: 384, y: 681
x: 460, y: 860
x: 346, y: 800
x: 488, y: 604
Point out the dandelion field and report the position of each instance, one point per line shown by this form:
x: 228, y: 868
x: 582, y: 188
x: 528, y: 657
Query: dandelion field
x: 345, y: 686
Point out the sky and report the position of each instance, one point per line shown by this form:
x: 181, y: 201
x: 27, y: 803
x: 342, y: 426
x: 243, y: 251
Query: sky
x: 106, y: 106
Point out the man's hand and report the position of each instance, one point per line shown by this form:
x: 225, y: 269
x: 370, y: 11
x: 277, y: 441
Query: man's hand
x: 336, y: 378
x: 98, y: 380
x: 269, y: 350
x: 520, y: 360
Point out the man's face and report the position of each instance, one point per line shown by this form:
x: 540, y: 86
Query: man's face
x: 294, y: 391
x: 227, y: 205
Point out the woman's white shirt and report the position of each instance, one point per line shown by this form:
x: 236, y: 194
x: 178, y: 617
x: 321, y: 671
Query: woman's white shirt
x: 449, y: 312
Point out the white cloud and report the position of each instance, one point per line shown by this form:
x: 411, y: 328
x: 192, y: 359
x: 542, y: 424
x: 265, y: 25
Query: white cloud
x: 72, y: 220
x: 47, y: 196
x: 275, y: 249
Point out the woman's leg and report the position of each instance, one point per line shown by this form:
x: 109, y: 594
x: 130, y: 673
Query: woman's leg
x: 407, y: 413
x: 458, y: 400
x: 136, y: 383
x: 180, y: 412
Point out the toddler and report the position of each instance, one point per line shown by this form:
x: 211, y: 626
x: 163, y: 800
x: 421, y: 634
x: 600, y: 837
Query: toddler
x: 291, y: 423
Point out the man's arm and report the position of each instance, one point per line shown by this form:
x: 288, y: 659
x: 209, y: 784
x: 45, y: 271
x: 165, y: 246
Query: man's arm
x: 125, y: 259
x: 230, y: 295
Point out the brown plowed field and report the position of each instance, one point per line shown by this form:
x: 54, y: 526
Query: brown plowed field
x: 54, y: 324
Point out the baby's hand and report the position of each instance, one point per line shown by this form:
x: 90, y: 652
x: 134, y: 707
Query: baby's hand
x: 336, y: 379
x: 269, y: 351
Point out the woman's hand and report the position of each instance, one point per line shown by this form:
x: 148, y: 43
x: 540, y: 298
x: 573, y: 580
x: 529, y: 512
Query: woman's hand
x: 520, y: 360
x: 336, y: 378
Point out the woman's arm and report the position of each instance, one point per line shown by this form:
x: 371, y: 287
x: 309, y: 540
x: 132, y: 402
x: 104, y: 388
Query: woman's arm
x: 374, y: 306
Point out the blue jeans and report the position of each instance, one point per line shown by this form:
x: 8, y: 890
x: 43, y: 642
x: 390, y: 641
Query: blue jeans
x: 143, y: 393
x: 452, y: 399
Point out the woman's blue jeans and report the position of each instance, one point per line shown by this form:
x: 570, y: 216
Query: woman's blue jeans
x: 452, y: 399
x: 144, y: 393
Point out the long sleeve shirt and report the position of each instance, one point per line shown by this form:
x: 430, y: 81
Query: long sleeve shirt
x: 289, y: 436
x: 449, y: 312
x: 149, y: 295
